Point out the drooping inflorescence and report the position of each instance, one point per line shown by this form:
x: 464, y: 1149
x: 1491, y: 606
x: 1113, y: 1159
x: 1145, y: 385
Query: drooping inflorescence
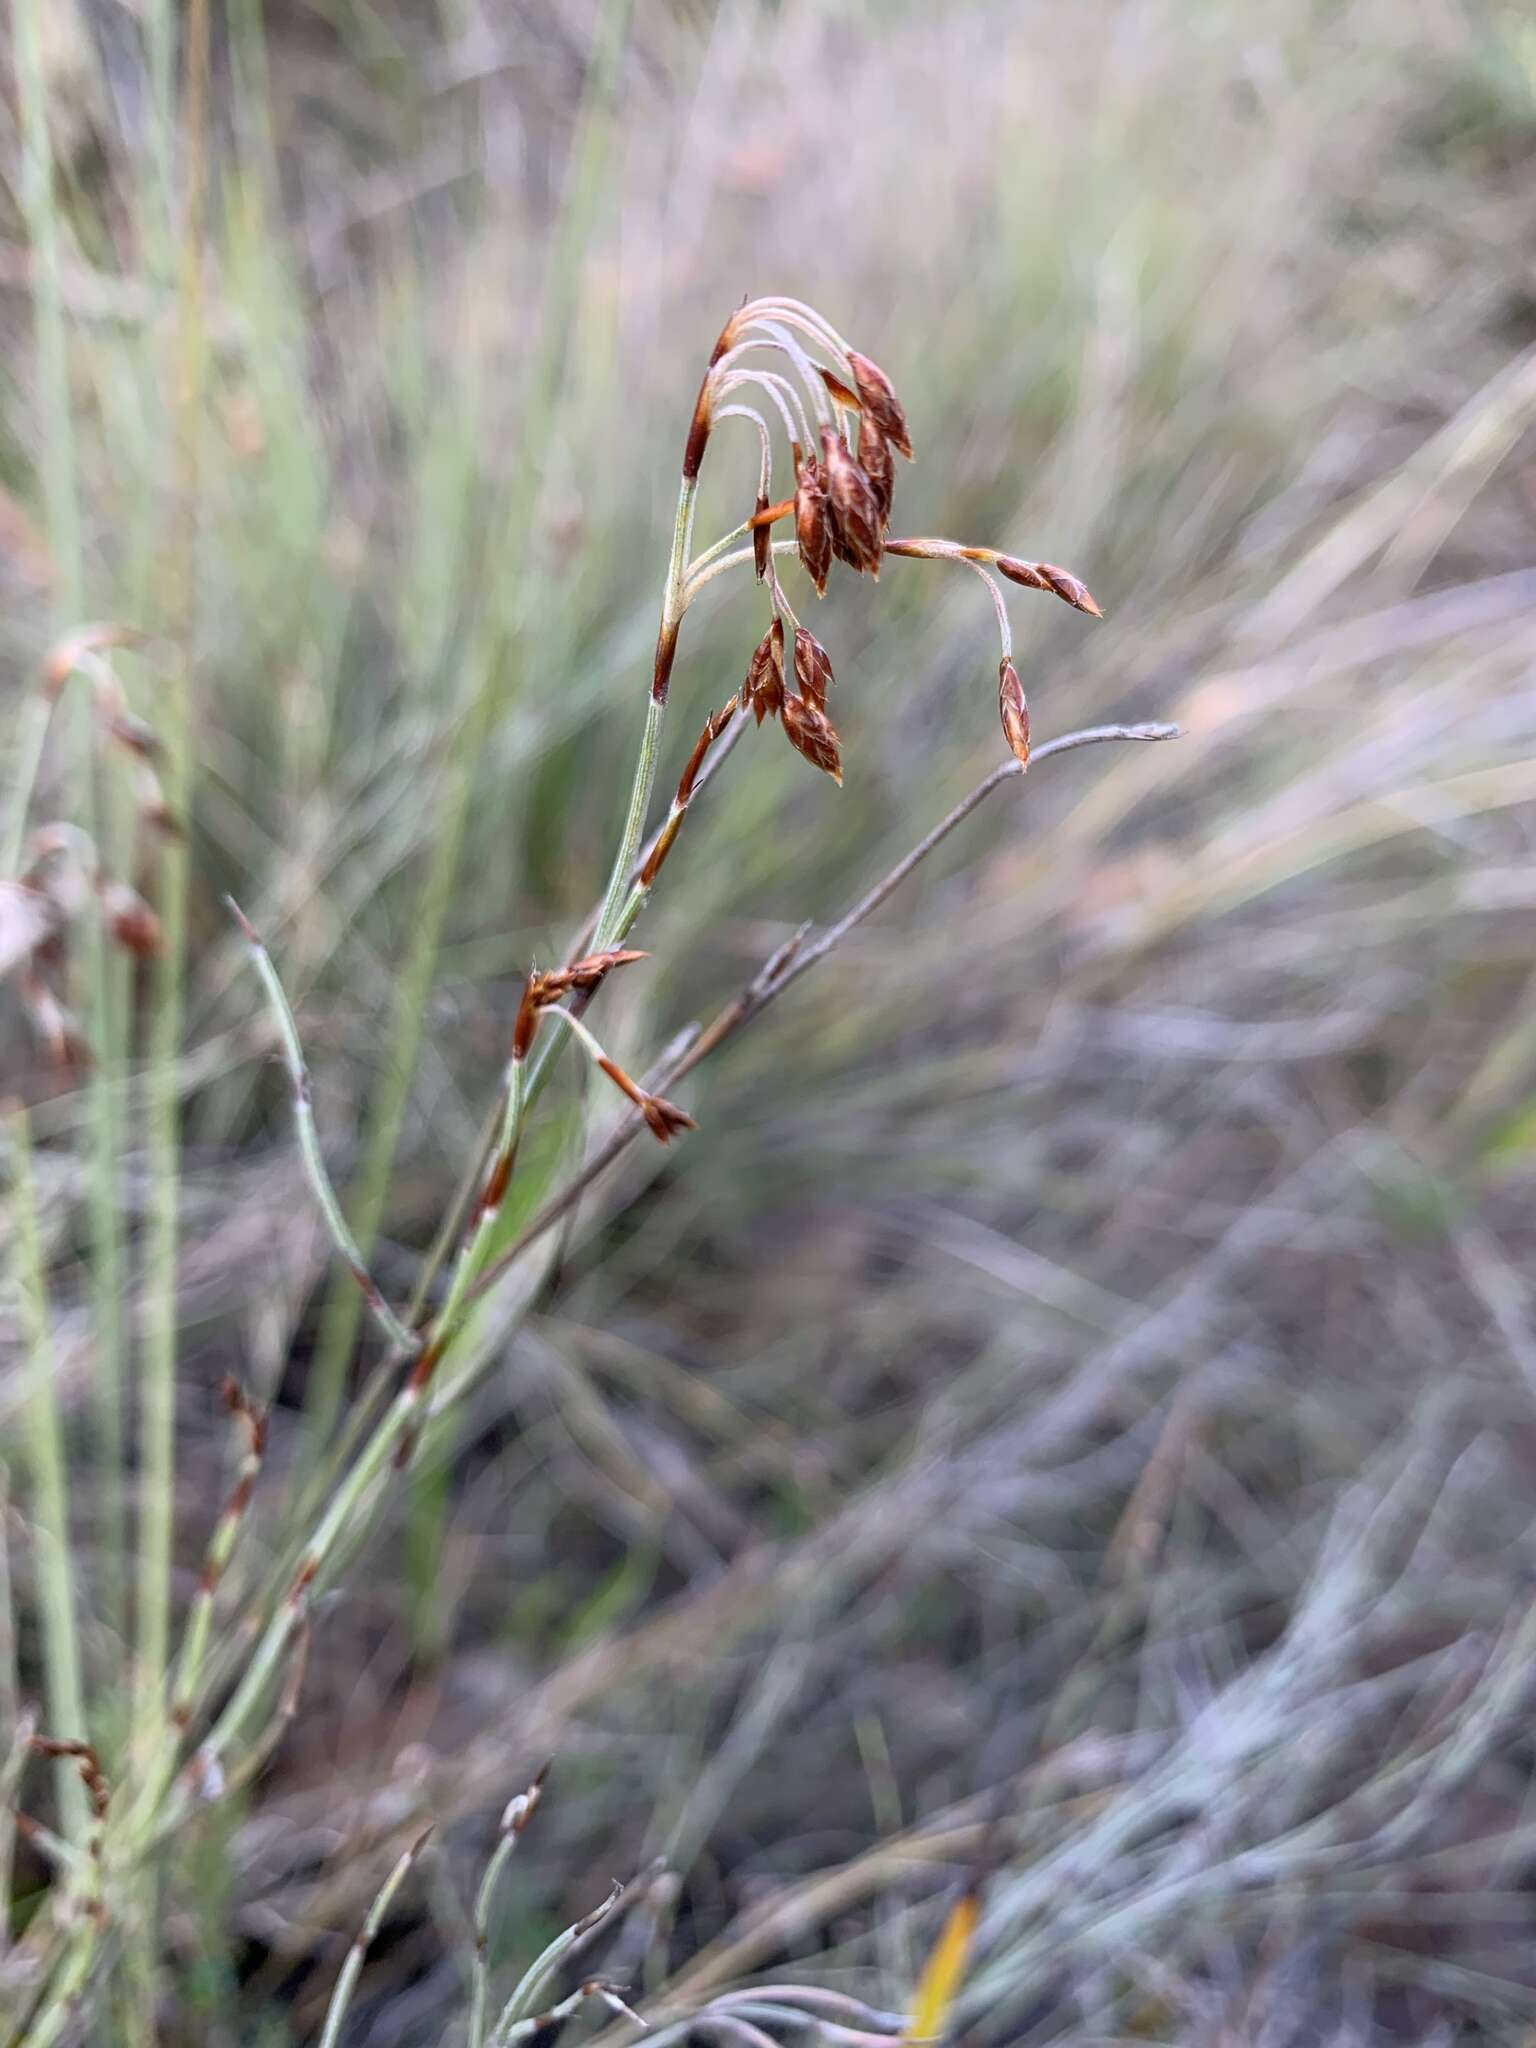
x: 845, y: 426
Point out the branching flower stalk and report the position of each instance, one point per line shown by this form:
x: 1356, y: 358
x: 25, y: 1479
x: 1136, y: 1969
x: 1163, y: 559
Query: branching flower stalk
x: 226, y: 1701
x: 840, y: 514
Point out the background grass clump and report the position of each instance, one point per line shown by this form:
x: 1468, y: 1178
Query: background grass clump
x: 1075, y: 1391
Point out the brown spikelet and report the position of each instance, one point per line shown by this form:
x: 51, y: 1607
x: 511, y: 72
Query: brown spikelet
x: 131, y: 922
x: 665, y: 1118
x: 813, y: 670
x: 1014, y: 711
x: 764, y: 687
x: 762, y: 540
x: 1046, y: 576
x: 527, y: 1022
x: 813, y: 524
x: 880, y: 402
x: 839, y: 389
x: 590, y: 971
x: 875, y: 461
x: 854, y: 507
x: 811, y: 733
x: 712, y: 731
x: 585, y: 976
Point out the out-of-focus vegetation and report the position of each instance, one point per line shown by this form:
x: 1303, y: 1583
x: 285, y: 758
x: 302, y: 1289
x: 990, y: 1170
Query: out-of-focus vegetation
x: 1073, y: 1397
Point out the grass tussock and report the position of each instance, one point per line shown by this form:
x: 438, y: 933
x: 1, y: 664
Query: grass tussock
x: 1058, y: 1431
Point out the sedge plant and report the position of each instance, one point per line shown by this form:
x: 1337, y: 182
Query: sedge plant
x: 831, y: 431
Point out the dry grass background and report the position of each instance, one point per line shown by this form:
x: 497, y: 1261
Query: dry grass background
x: 1083, y: 1369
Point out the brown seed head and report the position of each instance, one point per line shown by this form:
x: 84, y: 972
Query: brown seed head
x: 665, y: 1118
x: 875, y: 461
x: 1046, y: 576
x: 813, y: 524
x: 1014, y: 711
x: 880, y: 402
x: 764, y: 687
x: 811, y: 733
x: 813, y: 671
x: 762, y: 541
x: 131, y: 922
x: 854, y: 507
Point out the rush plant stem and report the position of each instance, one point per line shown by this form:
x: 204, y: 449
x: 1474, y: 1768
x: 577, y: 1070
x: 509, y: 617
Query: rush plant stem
x: 48, y: 1487
x: 158, y: 1378
x: 643, y: 785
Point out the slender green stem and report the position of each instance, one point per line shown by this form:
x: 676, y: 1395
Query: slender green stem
x: 710, y: 565
x: 351, y: 1969
x: 644, y: 781
x: 157, y: 1412
x: 716, y: 549
x: 534, y: 1985
x: 61, y: 500
x: 477, y: 1244
x: 513, y: 1821
x: 49, y: 1487
x: 309, y: 1140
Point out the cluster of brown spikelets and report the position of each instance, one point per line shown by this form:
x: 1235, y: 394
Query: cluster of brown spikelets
x: 846, y: 426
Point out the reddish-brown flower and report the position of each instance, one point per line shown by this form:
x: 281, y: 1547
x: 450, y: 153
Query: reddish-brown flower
x: 764, y: 687
x: 813, y: 523
x: 880, y: 402
x: 813, y: 671
x: 1014, y: 710
x: 854, y: 507
x: 585, y: 976
x: 665, y: 1118
x: 811, y: 733
x: 876, y: 463
x: 1046, y: 576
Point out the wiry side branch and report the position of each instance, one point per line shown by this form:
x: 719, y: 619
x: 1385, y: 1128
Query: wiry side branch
x: 309, y: 1141
x: 785, y: 967
x: 351, y: 1969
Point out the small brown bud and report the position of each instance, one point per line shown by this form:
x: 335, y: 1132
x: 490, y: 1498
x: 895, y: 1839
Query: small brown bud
x: 880, y: 402
x: 813, y: 671
x: 131, y: 921
x: 706, y: 739
x: 811, y: 733
x: 591, y: 971
x: 764, y: 687
x: 527, y: 1019
x: 875, y: 461
x: 586, y: 975
x: 813, y: 524
x: 665, y: 1118
x: 854, y: 507
x: 762, y: 541
x: 1046, y: 576
x: 665, y: 840
x: 1014, y: 710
